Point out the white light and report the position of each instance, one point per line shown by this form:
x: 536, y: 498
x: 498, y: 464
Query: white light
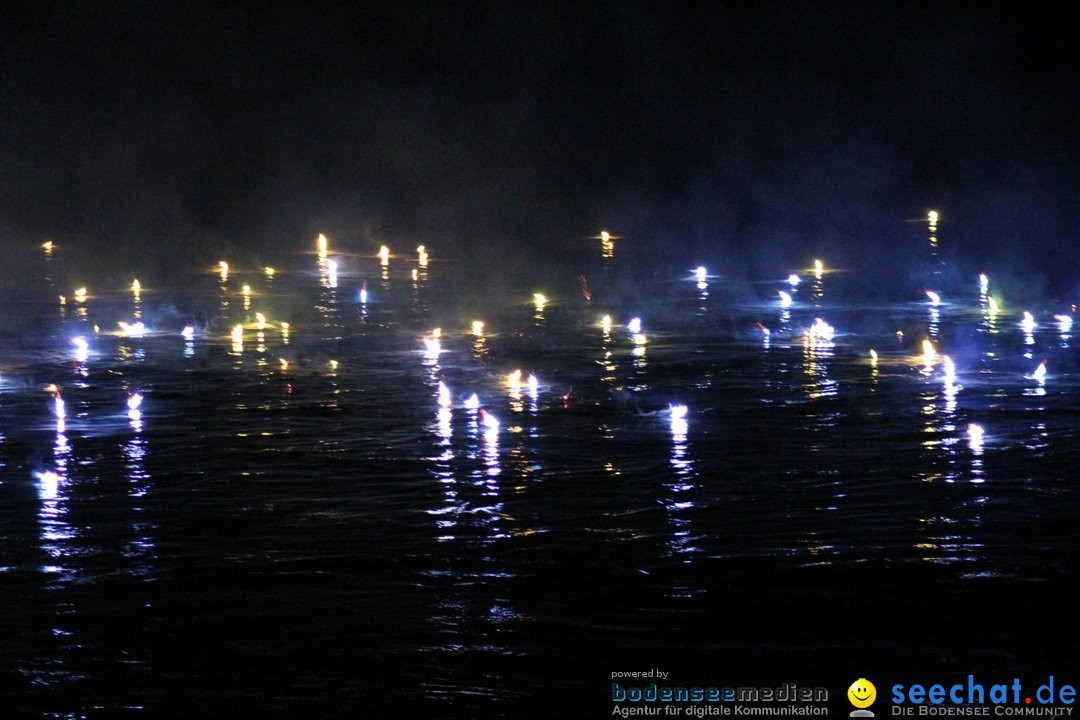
x: 701, y: 273
x: 678, y: 412
x: 472, y: 402
x: 134, y: 401
x: 821, y: 330
x: 331, y: 273
x: 532, y: 383
x: 82, y: 348
x: 949, y: 368
x: 1028, y: 323
x: 490, y: 421
x: 935, y: 299
x: 932, y: 216
x: 133, y: 330
x: 1064, y: 322
x: 50, y: 484
x: 785, y: 299
x: 984, y: 283
x: 793, y: 279
x: 1040, y: 372
x: 188, y: 333
x: 363, y: 296
x: 975, y: 436
x: 58, y: 406
x: 444, y: 394
x: 432, y: 347
x: 634, y: 325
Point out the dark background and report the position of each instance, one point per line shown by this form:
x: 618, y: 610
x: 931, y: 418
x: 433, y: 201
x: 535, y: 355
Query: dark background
x: 754, y: 135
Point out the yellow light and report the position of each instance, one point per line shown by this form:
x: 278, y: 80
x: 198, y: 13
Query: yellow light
x: 932, y: 216
x: 928, y: 353
x: 605, y: 237
x: 873, y: 356
x: 261, y: 319
x: 246, y: 290
x: 540, y: 299
x: 437, y: 332
x: 269, y: 271
x: 80, y: 295
x: 47, y: 246
x: 136, y: 287
x: 514, y: 379
x: 284, y: 364
x: 223, y: 268
x: 63, y: 300
x: 819, y: 268
x: 238, y: 333
x: 322, y: 245
x: 285, y: 326
x: 333, y: 364
x: 991, y: 305
x: 606, y: 323
x: 421, y: 251
x: 478, y: 327
x: 384, y: 255
x: 414, y: 274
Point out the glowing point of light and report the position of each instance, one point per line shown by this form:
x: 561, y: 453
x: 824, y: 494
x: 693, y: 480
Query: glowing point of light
x: 640, y: 339
x: 285, y: 327
x: 270, y: 272
x: 63, y: 300
x: 949, y: 368
x: 701, y: 273
x: 766, y: 331
x: 932, y: 216
x: 490, y: 421
x: 975, y: 436
x: 533, y: 383
x: 58, y: 407
x: 432, y: 347
x: 991, y: 305
x: 188, y: 333
x: 261, y: 320
x: 384, y: 255
x: 1040, y: 372
x: 284, y: 363
x: 984, y: 282
x: 604, y: 236
x: 539, y: 299
x: 246, y: 290
x: 785, y: 299
x: 223, y: 269
x: 1064, y: 322
x: 514, y: 379
x: 415, y: 274
x: 929, y: 354
x: 136, y: 286
x: 333, y: 364
x: 444, y: 395
x: 132, y: 330
x: 873, y: 356
x: 82, y: 348
x: 1028, y: 323
x: 422, y: 255
x: 50, y: 484
x: 331, y: 273
x: 678, y: 412
x: 634, y: 325
x: 821, y: 330
x: 935, y: 299
x: 134, y: 400
x: 478, y: 327
x: 80, y: 295
x: 47, y: 246
x: 819, y: 268
x: 238, y: 333
x: 472, y: 402
x: 363, y: 296
x: 793, y: 279
x: 605, y: 322
x: 322, y: 244
x: 436, y: 333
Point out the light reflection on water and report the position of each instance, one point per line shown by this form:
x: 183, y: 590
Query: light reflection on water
x: 589, y: 503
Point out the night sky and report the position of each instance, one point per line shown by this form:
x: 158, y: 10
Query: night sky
x: 756, y: 134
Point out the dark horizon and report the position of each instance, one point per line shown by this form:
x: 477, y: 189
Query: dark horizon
x: 759, y: 134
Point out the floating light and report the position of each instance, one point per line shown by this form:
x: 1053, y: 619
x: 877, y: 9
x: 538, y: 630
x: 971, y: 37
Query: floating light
x: 472, y: 402
x: 1064, y: 322
x: 270, y: 272
x: 984, y: 283
x: 701, y: 273
x: 260, y: 320
x: 490, y: 421
x: 134, y: 400
x: 1028, y: 323
x: 821, y: 330
x: 444, y: 395
x: 223, y: 270
x: 634, y: 325
x: 478, y: 327
x: 793, y: 279
x: 1040, y: 372
x: 678, y: 412
x: 932, y: 216
x: 935, y: 299
x: 819, y: 268
x: 539, y: 299
x: 384, y: 255
x: 929, y: 354
x: 331, y: 273
x: 132, y: 330
x: 80, y: 295
x: 322, y: 244
x: 785, y: 299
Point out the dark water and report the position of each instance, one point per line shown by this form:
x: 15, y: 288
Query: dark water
x: 316, y: 540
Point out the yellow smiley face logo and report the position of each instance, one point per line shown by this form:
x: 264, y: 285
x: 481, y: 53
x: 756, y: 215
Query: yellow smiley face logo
x: 862, y: 693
